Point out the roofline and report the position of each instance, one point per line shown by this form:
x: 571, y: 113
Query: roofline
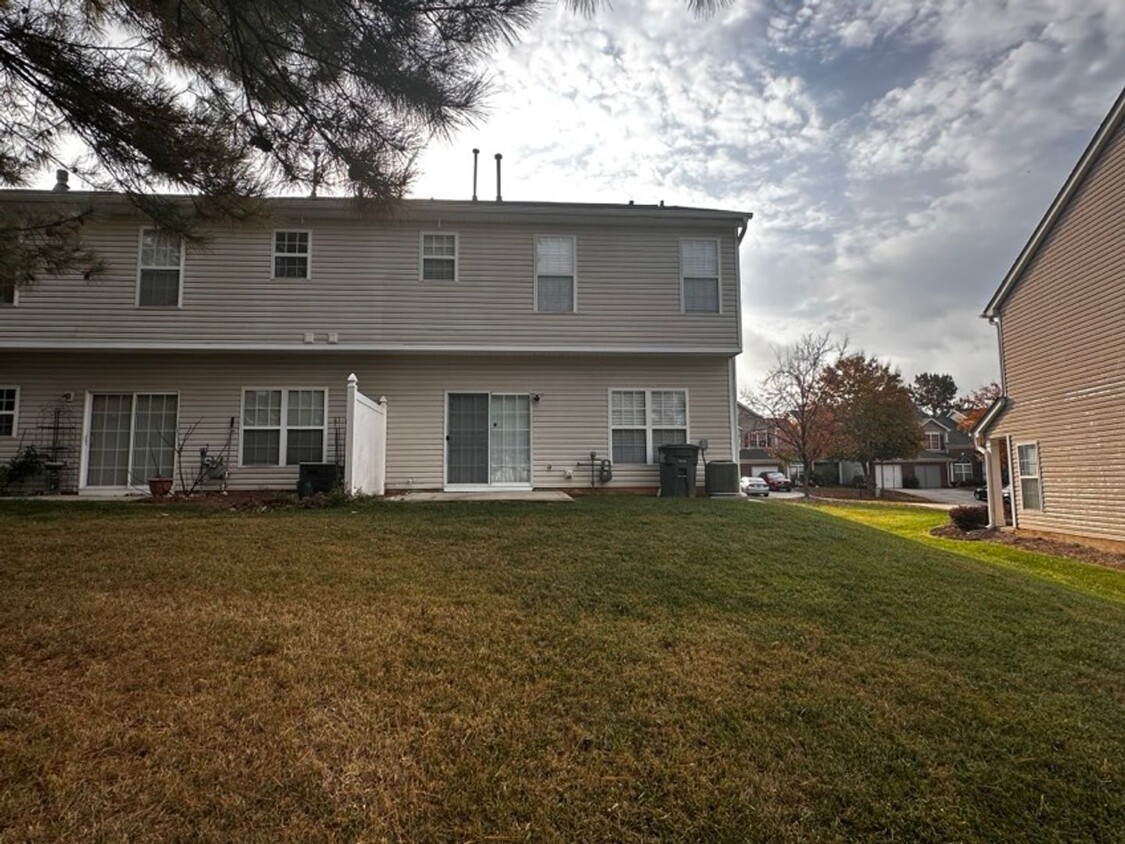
x: 420, y: 208
x: 989, y: 418
x: 1062, y: 200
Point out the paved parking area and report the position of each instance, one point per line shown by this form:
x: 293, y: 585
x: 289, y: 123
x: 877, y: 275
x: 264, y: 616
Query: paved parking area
x: 953, y: 496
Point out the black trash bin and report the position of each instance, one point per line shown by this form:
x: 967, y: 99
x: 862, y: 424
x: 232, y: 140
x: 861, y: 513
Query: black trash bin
x: 678, y: 462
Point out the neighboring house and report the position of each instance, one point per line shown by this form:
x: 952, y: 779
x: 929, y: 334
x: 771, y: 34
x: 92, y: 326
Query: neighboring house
x: 758, y: 443
x: 511, y: 340
x: 1058, y: 312
x: 947, y: 458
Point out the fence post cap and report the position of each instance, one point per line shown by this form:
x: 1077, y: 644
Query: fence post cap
x: 352, y: 380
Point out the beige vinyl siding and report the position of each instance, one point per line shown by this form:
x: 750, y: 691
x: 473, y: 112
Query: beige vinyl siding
x: 1063, y: 341
x: 365, y: 288
x: 569, y: 421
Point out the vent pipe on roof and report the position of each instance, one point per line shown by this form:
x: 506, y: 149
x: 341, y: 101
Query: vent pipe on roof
x: 61, y: 177
x: 476, y: 152
x: 499, y: 198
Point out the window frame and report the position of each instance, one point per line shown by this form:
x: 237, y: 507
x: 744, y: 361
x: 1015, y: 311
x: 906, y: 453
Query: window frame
x: 650, y: 452
x: 1037, y: 477
x: 573, y: 278
x: 14, y: 412
x: 422, y: 257
x: 283, y: 427
x: 274, y: 255
x: 718, y: 276
x: 754, y: 439
x: 141, y: 268
x: 964, y: 469
x: 941, y: 440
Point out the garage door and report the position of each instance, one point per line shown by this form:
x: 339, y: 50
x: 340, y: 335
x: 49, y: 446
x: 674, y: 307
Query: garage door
x: 765, y: 467
x: 928, y: 475
x: 888, y: 476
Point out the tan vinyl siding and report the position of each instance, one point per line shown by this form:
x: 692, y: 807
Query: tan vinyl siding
x: 365, y: 287
x: 1063, y: 342
x: 569, y: 421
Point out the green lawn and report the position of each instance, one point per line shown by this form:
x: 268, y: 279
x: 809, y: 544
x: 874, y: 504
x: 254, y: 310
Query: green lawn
x: 617, y: 669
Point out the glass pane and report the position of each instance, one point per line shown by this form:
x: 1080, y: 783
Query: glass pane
x: 438, y: 269
x: 628, y: 409
x: 304, y: 447
x: 554, y: 256
x: 160, y: 249
x: 7, y: 400
x: 701, y: 295
x: 7, y: 424
x: 306, y: 409
x: 669, y: 408
x: 290, y: 266
x: 1029, y: 491
x: 629, y: 447
x: 262, y: 409
x: 1029, y: 460
x: 699, y: 258
x: 108, y: 458
x: 160, y: 288
x: 439, y: 245
x: 666, y: 436
x: 294, y: 243
x: 261, y: 448
x: 556, y: 294
x: 510, y: 438
x: 7, y: 293
x: 154, y: 437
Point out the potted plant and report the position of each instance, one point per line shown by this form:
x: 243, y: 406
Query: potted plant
x: 161, y: 483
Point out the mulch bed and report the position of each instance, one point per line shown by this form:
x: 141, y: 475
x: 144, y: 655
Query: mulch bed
x: 1070, y: 550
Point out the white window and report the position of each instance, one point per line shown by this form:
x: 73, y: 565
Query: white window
x: 1031, y: 493
x: 643, y: 420
x: 934, y: 442
x: 439, y: 257
x: 291, y: 254
x: 160, y: 265
x: 963, y: 472
x: 555, y: 287
x: 9, y: 408
x: 283, y: 427
x: 758, y: 439
x: 699, y: 274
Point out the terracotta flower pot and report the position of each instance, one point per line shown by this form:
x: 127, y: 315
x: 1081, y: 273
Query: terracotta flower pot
x: 159, y: 487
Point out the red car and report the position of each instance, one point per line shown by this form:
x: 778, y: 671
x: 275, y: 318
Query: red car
x: 777, y: 481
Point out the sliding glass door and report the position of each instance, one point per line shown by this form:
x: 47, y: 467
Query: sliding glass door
x: 488, y: 439
x: 132, y: 437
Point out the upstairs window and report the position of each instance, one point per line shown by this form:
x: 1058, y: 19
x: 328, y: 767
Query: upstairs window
x: 1031, y: 492
x: 161, y: 261
x: 555, y: 291
x: 699, y: 268
x: 291, y: 254
x: 934, y: 442
x: 758, y: 439
x: 9, y: 406
x: 282, y: 427
x: 439, y: 257
x: 643, y: 420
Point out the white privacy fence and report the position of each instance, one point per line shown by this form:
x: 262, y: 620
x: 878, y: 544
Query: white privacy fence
x: 365, y: 461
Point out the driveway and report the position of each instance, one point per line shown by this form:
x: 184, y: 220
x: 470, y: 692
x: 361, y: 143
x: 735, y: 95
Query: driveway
x: 952, y: 496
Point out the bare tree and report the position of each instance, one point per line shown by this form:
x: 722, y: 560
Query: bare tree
x: 793, y: 395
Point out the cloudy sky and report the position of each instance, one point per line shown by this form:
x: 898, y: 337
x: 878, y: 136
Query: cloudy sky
x: 896, y: 155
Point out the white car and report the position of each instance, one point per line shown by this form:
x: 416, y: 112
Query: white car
x: 755, y: 486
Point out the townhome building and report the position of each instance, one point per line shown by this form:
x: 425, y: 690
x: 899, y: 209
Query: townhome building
x: 508, y: 344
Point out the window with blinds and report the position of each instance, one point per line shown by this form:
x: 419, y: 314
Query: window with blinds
x: 699, y: 268
x: 158, y: 279
x: 555, y: 291
x: 439, y: 257
x: 643, y: 420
